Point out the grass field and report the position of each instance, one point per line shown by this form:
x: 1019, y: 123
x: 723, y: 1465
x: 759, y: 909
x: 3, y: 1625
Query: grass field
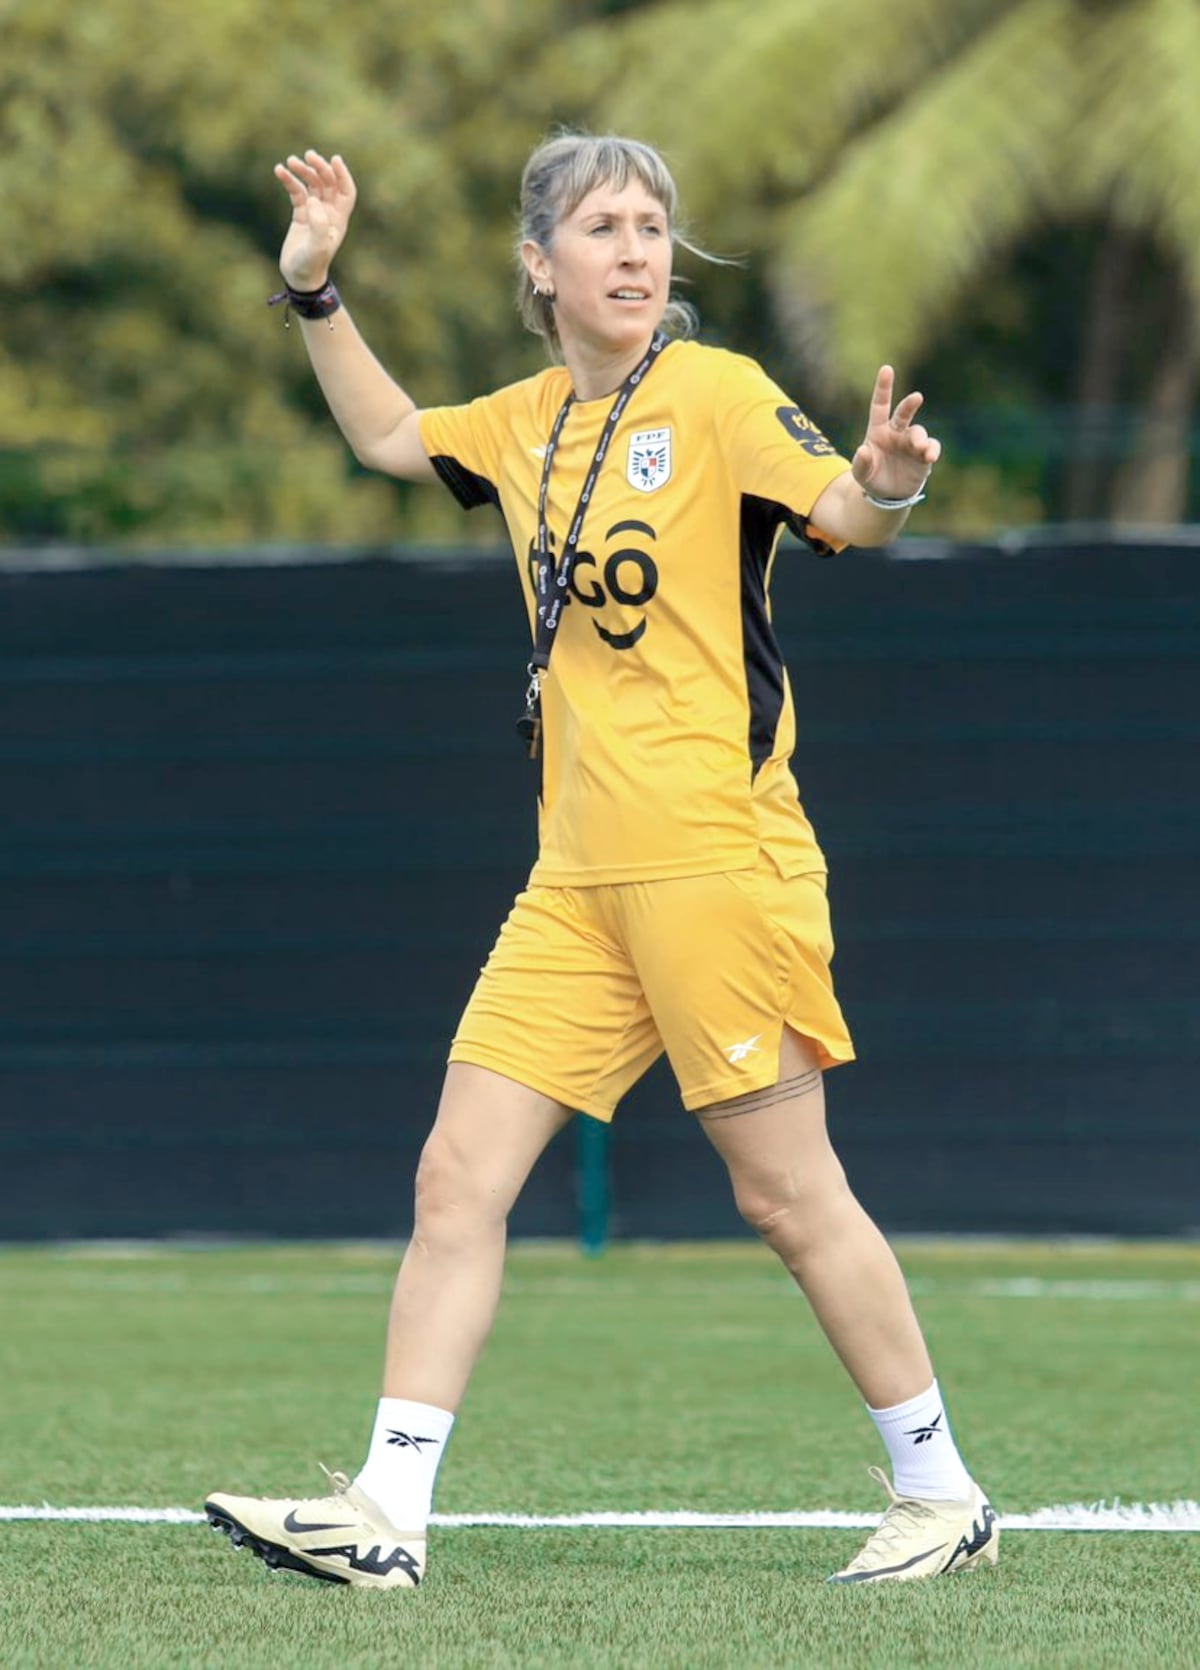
x: 652, y: 1379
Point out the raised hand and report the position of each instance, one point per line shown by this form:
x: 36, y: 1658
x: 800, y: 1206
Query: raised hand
x: 896, y: 454
x: 323, y: 196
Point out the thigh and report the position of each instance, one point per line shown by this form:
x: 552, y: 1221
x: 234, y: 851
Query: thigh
x: 489, y: 1133
x: 558, y: 1007
x: 774, y: 1141
x: 726, y: 961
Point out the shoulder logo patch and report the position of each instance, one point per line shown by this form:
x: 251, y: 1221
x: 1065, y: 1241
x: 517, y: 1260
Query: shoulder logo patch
x: 649, y: 465
x: 802, y: 428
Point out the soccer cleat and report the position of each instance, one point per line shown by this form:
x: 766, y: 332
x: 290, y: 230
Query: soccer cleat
x: 343, y: 1538
x: 919, y: 1538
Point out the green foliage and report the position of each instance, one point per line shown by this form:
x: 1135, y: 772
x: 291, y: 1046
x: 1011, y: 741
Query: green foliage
x: 890, y: 162
x: 135, y: 347
x: 902, y: 149
x: 881, y: 167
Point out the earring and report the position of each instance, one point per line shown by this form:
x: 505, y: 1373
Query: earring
x: 543, y: 295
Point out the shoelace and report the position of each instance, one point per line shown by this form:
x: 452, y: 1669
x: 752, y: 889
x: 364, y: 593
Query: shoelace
x: 903, y: 1515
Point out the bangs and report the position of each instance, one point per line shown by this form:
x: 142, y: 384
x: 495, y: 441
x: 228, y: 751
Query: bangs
x: 578, y: 164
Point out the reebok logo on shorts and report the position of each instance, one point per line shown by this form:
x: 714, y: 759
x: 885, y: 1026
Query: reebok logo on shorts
x: 739, y: 1052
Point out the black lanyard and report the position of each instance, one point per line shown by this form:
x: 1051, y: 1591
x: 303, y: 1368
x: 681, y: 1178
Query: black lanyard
x: 553, y: 579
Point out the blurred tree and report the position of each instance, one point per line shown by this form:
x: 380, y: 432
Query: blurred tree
x: 896, y: 156
x: 997, y: 192
x: 136, y: 354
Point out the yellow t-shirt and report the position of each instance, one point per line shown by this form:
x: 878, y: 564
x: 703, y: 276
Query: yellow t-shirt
x: 667, y: 719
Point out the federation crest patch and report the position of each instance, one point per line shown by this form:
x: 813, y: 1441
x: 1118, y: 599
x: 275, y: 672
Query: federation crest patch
x: 649, y: 464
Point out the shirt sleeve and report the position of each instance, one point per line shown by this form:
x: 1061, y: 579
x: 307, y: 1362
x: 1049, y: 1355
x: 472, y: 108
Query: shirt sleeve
x: 774, y: 449
x: 464, y: 445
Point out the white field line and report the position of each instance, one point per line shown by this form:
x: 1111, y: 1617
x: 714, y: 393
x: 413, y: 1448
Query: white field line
x: 1075, y: 1516
x: 605, y: 1285
x: 1039, y: 1287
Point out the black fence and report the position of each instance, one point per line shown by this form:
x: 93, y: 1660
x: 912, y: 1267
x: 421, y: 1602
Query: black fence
x: 260, y: 824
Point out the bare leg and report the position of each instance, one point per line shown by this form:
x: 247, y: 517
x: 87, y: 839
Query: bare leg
x: 372, y: 1532
x: 790, y: 1187
x: 488, y: 1134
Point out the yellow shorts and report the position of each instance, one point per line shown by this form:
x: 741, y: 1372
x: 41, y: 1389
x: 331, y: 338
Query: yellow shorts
x: 586, y: 986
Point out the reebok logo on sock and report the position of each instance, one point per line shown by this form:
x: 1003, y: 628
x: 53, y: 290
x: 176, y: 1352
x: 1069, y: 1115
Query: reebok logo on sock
x: 408, y: 1440
x: 922, y: 1434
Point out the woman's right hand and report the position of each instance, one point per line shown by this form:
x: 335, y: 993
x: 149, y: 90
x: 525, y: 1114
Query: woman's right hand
x: 323, y: 196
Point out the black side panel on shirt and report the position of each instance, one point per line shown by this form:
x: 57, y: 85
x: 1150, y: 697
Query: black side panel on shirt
x: 800, y: 527
x: 469, y: 489
x: 764, y: 664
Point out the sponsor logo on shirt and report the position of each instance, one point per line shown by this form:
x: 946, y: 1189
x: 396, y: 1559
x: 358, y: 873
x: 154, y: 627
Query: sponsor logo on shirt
x: 628, y: 577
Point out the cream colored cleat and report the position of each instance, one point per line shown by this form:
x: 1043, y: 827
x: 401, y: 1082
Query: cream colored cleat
x: 919, y: 1538
x: 342, y: 1538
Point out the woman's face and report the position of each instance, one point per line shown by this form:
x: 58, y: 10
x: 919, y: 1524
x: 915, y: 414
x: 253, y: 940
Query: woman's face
x: 609, y: 269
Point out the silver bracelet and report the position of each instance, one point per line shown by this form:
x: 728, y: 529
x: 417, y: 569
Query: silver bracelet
x: 894, y: 504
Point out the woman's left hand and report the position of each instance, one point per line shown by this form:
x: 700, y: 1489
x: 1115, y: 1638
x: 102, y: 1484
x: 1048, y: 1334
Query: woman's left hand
x: 896, y: 454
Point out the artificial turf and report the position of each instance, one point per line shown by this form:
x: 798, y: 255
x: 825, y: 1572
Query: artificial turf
x: 653, y: 1378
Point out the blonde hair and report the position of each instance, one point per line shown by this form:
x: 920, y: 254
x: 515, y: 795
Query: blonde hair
x: 557, y: 178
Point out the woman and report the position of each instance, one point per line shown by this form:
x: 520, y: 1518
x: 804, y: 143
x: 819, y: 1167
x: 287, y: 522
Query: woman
x: 644, y: 481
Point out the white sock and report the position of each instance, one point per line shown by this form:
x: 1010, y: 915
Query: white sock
x: 406, y: 1448
x: 924, y: 1456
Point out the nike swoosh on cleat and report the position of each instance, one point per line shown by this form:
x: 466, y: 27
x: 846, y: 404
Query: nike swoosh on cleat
x: 296, y: 1526
x: 886, y: 1571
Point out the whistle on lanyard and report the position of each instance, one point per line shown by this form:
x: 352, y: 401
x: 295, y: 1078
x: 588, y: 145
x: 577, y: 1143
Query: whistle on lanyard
x: 529, y: 725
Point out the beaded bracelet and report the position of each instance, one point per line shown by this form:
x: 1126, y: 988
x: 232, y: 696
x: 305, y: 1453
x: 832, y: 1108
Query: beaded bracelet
x: 308, y: 304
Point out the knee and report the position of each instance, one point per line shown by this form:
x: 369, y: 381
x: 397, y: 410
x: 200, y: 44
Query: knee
x: 452, y: 1203
x: 767, y: 1205
x: 788, y: 1210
